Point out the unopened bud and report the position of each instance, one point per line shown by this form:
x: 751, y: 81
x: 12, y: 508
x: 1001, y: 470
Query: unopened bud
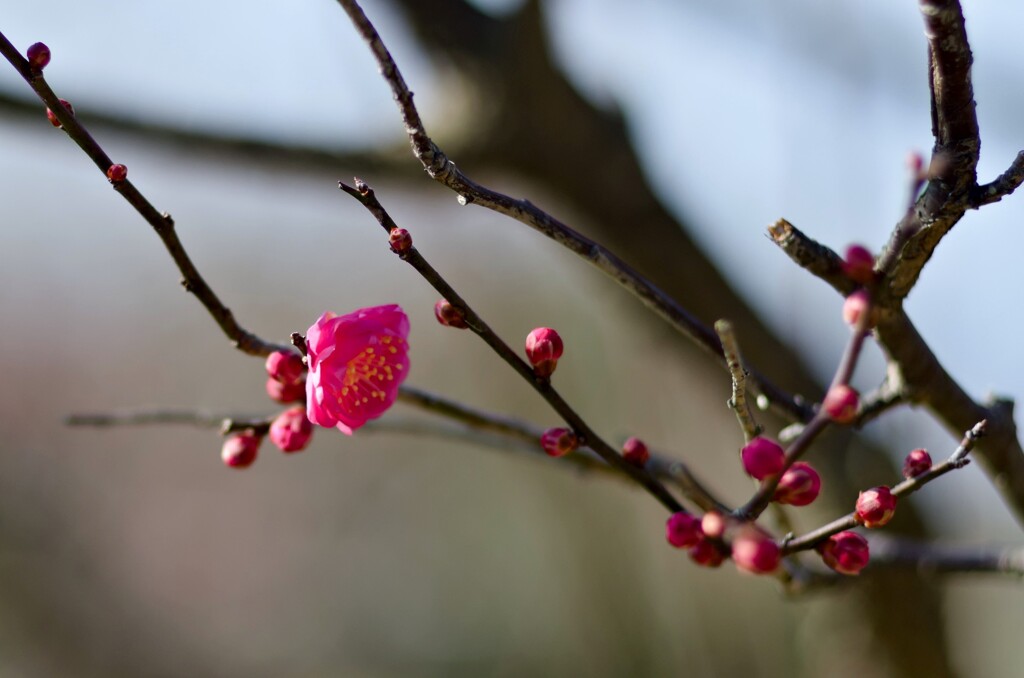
x: 916, y: 463
x: 841, y: 403
x: 558, y: 442
x: 38, y: 55
x: 291, y: 430
x: 52, y: 117
x: 400, y: 240
x: 117, y: 173
x: 635, y: 452
x: 682, y: 530
x: 846, y: 552
x: 876, y: 507
x: 762, y: 457
x: 799, y: 485
x: 855, y: 306
x: 285, y: 393
x: 755, y: 552
x: 713, y: 525
x: 859, y: 264
x: 448, y: 315
x: 706, y: 553
x: 285, y: 366
x: 239, y: 451
x: 543, y: 349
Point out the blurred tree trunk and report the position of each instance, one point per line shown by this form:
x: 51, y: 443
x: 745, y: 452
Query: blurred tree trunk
x: 532, y: 122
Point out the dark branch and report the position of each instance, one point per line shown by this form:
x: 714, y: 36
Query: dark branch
x: 956, y: 460
x: 587, y: 436
x: 441, y: 169
x: 1005, y: 184
x: 162, y: 223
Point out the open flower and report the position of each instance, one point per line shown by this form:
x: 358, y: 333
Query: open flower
x: 356, y: 364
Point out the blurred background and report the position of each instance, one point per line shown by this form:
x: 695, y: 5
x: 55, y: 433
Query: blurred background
x: 672, y: 131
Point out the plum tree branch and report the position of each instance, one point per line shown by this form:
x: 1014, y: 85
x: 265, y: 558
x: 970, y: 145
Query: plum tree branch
x: 443, y: 170
x: 586, y: 435
x: 162, y: 223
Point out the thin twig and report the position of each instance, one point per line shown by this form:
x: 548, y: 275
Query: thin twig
x: 1005, y: 184
x: 957, y: 460
x: 738, y: 402
x: 440, y: 168
x: 931, y: 558
x: 586, y: 435
x: 162, y: 223
x: 757, y: 504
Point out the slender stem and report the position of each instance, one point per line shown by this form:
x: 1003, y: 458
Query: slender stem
x: 734, y: 361
x: 162, y: 223
x: 586, y: 435
x: 957, y: 460
x: 440, y: 168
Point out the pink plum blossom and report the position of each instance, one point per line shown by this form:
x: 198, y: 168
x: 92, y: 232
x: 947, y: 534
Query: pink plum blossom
x: 357, y: 362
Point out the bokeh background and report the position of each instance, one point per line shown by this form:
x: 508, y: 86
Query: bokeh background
x: 134, y: 552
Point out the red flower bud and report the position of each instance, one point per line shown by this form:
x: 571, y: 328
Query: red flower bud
x: 859, y: 264
x: 558, y: 442
x: 38, y: 55
x: 117, y: 173
x: 543, y: 349
x: 239, y: 451
x: 799, y: 485
x: 285, y: 393
x: 755, y: 552
x: 682, y: 530
x: 916, y: 463
x: 845, y: 552
x: 706, y: 553
x: 841, y: 403
x: 635, y: 452
x: 53, y: 118
x: 856, y: 305
x: 400, y: 240
x: 285, y: 366
x: 291, y: 430
x: 762, y: 457
x: 448, y: 315
x: 875, y: 507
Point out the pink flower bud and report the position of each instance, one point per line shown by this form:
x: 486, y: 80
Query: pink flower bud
x: 291, y: 430
x: 38, y: 55
x: 448, y: 315
x: 117, y: 173
x: 285, y: 393
x: 635, y: 452
x: 706, y: 553
x: 543, y: 349
x: 286, y: 367
x: 682, y: 530
x: 841, y: 403
x: 762, y: 457
x: 859, y: 264
x: 856, y: 305
x: 755, y: 552
x: 915, y: 163
x: 916, y: 463
x: 845, y: 552
x: 799, y: 485
x: 400, y: 240
x: 239, y: 451
x: 876, y: 507
x: 558, y: 442
x: 713, y: 525
x: 53, y: 118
